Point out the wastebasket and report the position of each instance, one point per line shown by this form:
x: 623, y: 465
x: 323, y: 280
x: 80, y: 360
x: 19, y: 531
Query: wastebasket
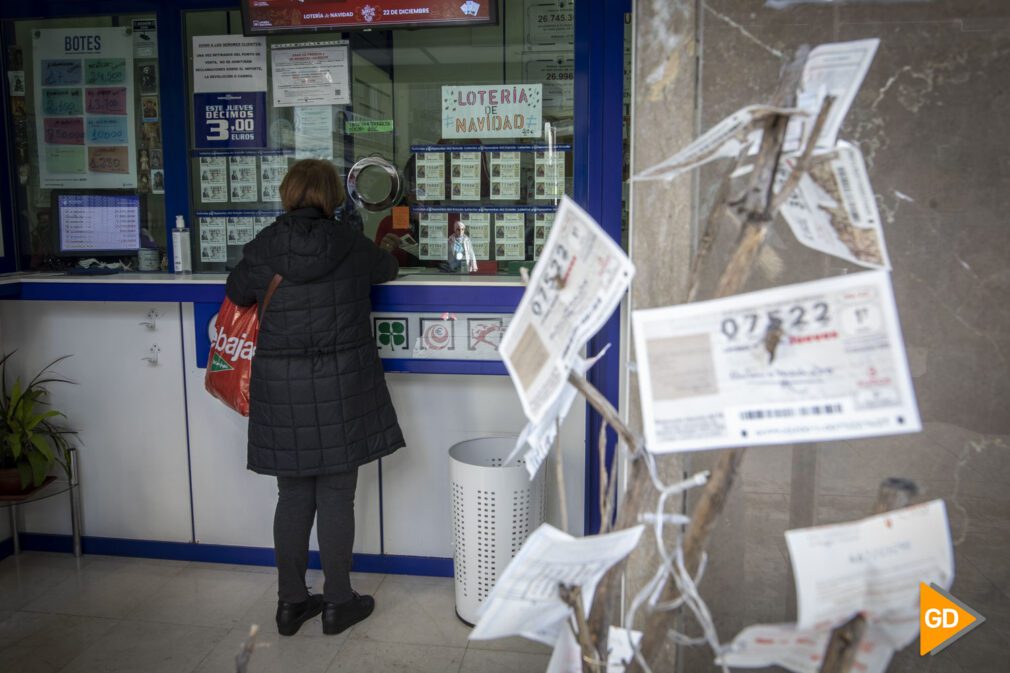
x: 494, y: 509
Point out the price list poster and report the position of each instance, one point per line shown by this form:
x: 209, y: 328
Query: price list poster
x: 84, y: 98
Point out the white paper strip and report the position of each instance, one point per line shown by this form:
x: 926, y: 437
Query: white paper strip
x: 801, y: 651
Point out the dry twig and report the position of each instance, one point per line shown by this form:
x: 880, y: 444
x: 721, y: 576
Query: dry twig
x: 843, y: 645
x: 754, y: 211
x: 572, y: 595
x: 246, y: 651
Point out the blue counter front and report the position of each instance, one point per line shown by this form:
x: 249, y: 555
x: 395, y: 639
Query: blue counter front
x: 412, y: 299
x: 163, y: 463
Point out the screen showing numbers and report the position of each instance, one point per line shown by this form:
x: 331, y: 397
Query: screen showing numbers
x: 92, y: 223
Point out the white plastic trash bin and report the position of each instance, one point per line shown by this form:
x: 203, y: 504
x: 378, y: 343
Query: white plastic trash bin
x: 494, y: 509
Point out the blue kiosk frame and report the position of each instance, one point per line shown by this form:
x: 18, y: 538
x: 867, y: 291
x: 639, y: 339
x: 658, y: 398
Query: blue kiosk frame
x: 598, y: 148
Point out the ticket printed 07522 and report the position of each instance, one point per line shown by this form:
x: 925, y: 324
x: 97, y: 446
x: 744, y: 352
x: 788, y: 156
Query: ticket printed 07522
x: 815, y: 361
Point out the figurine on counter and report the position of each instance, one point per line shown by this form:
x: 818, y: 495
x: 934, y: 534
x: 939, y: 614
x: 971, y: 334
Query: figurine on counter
x: 461, y: 255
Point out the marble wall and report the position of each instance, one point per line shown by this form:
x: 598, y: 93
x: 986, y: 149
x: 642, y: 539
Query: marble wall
x: 932, y: 123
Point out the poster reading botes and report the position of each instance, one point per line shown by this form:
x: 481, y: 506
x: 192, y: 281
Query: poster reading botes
x: 84, y: 97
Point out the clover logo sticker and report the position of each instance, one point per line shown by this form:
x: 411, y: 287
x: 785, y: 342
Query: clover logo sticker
x: 391, y: 333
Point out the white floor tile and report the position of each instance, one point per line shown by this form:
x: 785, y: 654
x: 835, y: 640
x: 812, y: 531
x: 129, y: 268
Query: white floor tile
x: 416, y: 611
x: 44, y: 643
x: 104, y: 590
x: 485, y: 661
x: 134, y: 647
x: 358, y: 656
x: 25, y: 577
x: 274, y: 654
x: 203, y: 598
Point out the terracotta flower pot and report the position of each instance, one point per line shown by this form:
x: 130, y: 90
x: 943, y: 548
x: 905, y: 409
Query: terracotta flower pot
x: 10, y: 482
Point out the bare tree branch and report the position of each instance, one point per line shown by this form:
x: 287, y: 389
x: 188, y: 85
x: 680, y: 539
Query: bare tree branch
x: 572, y: 595
x: 246, y: 651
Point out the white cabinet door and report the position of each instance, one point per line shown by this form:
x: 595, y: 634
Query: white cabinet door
x: 232, y: 505
x: 130, y: 413
x: 437, y: 411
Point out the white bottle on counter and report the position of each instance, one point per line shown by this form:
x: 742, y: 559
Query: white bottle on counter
x: 182, y: 261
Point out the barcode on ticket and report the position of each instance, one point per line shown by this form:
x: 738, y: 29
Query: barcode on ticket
x: 845, y: 185
x: 820, y: 410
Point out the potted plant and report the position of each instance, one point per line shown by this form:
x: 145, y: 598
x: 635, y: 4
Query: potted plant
x: 30, y: 440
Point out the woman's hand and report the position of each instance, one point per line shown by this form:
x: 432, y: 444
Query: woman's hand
x: 390, y: 242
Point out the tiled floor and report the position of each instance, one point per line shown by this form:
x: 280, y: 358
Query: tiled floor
x: 103, y: 614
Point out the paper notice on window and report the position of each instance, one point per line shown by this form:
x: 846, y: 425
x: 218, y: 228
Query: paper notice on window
x: 429, y: 176
x: 242, y: 178
x: 873, y: 566
x: 228, y: 63
x: 273, y: 168
x: 213, y: 179
x: 834, y: 210
x: 548, y: 175
x: 310, y: 73
x: 567, y: 655
x: 466, y: 176
x: 580, y: 279
x: 837, y: 70
x: 314, y: 132
x: 802, y: 363
x: 525, y: 601
x: 801, y: 651
x: 505, y: 175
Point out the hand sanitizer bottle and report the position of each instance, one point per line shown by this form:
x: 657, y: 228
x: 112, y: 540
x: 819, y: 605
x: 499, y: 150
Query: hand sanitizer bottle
x: 182, y: 261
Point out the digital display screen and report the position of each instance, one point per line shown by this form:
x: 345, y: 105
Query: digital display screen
x: 96, y: 223
x: 274, y: 16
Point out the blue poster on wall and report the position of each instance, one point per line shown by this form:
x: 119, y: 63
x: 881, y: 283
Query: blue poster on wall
x: 223, y: 120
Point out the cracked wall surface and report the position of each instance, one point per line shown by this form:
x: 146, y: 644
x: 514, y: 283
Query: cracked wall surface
x: 933, y: 122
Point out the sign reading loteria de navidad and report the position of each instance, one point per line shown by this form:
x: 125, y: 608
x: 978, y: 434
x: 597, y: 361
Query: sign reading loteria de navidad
x: 492, y: 111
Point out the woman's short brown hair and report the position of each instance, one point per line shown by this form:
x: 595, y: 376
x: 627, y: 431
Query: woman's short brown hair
x: 312, y: 183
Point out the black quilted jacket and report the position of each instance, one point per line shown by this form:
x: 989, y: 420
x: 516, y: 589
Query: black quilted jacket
x: 318, y: 401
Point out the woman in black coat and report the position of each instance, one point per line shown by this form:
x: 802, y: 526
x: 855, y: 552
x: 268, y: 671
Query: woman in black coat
x: 318, y: 403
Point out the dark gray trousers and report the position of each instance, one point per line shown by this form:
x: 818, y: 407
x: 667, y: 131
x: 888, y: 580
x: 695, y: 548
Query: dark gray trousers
x: 330, y: 500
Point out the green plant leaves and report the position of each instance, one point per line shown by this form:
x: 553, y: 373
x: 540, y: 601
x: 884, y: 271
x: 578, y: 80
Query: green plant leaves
x: 43, y: 446
x: 28, y: 439
x: 39, y: 465
x: 25, y: 472
x: 14, y: 445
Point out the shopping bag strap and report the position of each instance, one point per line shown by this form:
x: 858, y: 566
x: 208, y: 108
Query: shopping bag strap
x: 274, y: 282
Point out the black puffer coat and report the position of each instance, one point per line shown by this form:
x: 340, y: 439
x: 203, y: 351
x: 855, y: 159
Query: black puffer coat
x: 318, y: 397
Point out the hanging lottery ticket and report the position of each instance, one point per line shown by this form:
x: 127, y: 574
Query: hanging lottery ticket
x: 580, y: 279
x: 833, y: 208
x: 525, y: 600
x: 801, y: 363
x: 836, y: 69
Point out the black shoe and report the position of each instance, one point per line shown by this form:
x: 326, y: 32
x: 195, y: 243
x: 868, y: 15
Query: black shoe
x: 338, y: 617
x: 291, y: 616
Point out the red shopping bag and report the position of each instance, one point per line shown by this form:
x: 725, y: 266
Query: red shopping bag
x: 229, y: 365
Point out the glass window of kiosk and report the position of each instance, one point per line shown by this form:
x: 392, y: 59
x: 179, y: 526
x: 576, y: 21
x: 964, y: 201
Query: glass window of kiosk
x: 85, y: 134
x: 457, y: 138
